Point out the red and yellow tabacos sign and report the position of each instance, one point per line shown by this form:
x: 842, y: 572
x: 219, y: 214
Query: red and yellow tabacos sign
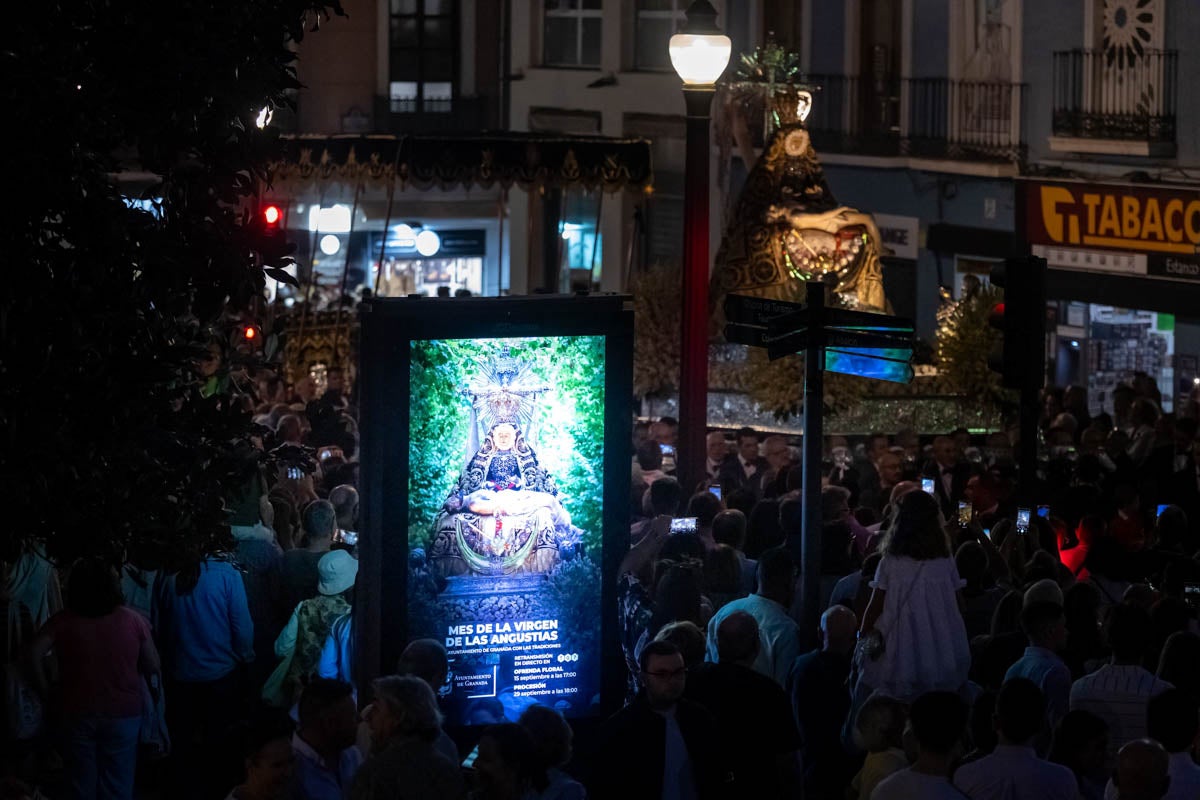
x: 1130, y: 218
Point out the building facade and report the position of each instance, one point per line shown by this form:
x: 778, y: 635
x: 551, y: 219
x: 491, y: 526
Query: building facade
x: 577, y: 67
x: 602, y: 67
x: 993, y: 128
x: 395, y: 67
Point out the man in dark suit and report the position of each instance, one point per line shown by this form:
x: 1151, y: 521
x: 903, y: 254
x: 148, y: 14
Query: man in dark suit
x: 745, y: 467
x: 660, y: 734
x: 867, y: 467
x: 949, y: 475
x: 752, y: 712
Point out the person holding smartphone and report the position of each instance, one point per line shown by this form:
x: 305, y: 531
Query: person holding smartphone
x: 983, y: 492
x: 949, y: 474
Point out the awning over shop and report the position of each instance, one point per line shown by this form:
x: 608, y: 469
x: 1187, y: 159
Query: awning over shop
x: 526, y: 160
x: 967, y: 241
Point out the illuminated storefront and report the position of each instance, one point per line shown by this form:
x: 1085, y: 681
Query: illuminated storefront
x: 430, y: 214
x: 1124, y: 272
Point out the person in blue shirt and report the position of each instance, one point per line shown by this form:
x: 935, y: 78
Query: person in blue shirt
x: 202, y: 623
x: 326, y: 759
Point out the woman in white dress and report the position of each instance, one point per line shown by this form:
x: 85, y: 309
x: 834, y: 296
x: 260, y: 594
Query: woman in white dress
x: 914, y: 614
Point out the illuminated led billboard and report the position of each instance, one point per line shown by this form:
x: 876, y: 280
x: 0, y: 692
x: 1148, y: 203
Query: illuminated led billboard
x: 506, y: 498
x: 509, y: 460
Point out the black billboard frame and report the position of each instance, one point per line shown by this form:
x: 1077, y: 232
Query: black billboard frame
x: 388, y: 326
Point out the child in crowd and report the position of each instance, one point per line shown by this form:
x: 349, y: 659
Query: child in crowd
x: 880, y: 731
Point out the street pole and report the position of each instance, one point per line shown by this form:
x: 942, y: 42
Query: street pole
x: 693, y: 362
x: 810, y: 481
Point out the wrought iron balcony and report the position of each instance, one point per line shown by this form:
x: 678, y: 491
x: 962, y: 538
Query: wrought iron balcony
x: 926, y: 117
x: 1116, y: 94
x: 855, y: 115
x: 441, y: 115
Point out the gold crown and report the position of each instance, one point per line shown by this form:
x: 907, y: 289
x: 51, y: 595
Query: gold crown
x: 504, y: 407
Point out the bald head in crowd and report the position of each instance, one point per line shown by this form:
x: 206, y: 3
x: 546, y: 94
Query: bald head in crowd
x: 1142, y: 771
x: 838, y: 628
x: 737, y: 639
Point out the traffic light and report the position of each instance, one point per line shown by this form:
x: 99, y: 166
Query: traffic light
x: 271, y: 234
x: 1020, y: 355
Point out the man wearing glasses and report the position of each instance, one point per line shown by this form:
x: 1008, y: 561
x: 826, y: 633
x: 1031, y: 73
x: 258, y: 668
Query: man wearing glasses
x: 660, y: 746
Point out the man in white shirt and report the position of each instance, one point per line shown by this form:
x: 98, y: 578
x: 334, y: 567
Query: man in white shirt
x: 1013, y: 769
x: 779, y: 634
x: 1173, y: 720
x: 937, y: 720
x: 1119, y: 692
x: 716, y: 451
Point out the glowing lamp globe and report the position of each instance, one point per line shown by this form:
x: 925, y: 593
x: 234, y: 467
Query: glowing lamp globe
x: 700, y: 52
x: 428, y: 243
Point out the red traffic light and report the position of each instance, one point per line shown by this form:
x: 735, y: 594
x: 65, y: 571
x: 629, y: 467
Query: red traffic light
x: 272, y: 214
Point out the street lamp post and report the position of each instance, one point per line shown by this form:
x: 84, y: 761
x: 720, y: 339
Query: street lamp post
x: 699, y: 53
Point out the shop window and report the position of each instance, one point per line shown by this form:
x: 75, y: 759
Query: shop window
x: 971, y: 272
x: 423, y: 52
x: 663, y: 208
x: 582, y: 241
x: 571, y: 33
x: 1123, y: 342
x: 656, y: 22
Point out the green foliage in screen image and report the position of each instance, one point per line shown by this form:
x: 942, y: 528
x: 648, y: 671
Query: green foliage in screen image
x: 569, y: 432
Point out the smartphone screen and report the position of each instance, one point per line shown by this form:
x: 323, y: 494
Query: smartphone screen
x: 964, y: 513
x: 683, y: 525
x: 987, y: 532
x: 469, y: 761
x: 1044, y: 512
x: 1022, y: 520
x: 1161, y: 508
x: 666, y: 449
x: 927, y: 485
x: 1191, y: 594
x: 716, y: 491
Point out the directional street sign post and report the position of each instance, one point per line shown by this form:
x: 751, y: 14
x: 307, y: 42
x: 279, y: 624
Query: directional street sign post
x: 875, y: 346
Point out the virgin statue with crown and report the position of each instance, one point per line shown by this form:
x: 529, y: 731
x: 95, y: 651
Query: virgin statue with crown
x: 503, y: 515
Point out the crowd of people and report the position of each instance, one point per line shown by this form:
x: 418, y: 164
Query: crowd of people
x: 965, y: 648
x: 970, y: 645
x: 231, y: 675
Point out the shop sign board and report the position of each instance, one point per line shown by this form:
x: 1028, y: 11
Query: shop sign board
x: 1177, y: 268
x: 899, y: 234
x: 1137, y: 219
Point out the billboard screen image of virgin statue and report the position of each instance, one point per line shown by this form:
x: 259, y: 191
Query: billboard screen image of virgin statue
x: 505, y: 507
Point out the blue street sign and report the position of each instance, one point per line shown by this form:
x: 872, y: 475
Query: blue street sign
x: 890, y: 354
x: 881, y: 369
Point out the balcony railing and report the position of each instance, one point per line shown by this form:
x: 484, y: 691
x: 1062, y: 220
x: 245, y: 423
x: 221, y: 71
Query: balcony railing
x: 1101, y: 95
x: 927, y: 117
x: 441, y: 115
x: 855, y: 115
